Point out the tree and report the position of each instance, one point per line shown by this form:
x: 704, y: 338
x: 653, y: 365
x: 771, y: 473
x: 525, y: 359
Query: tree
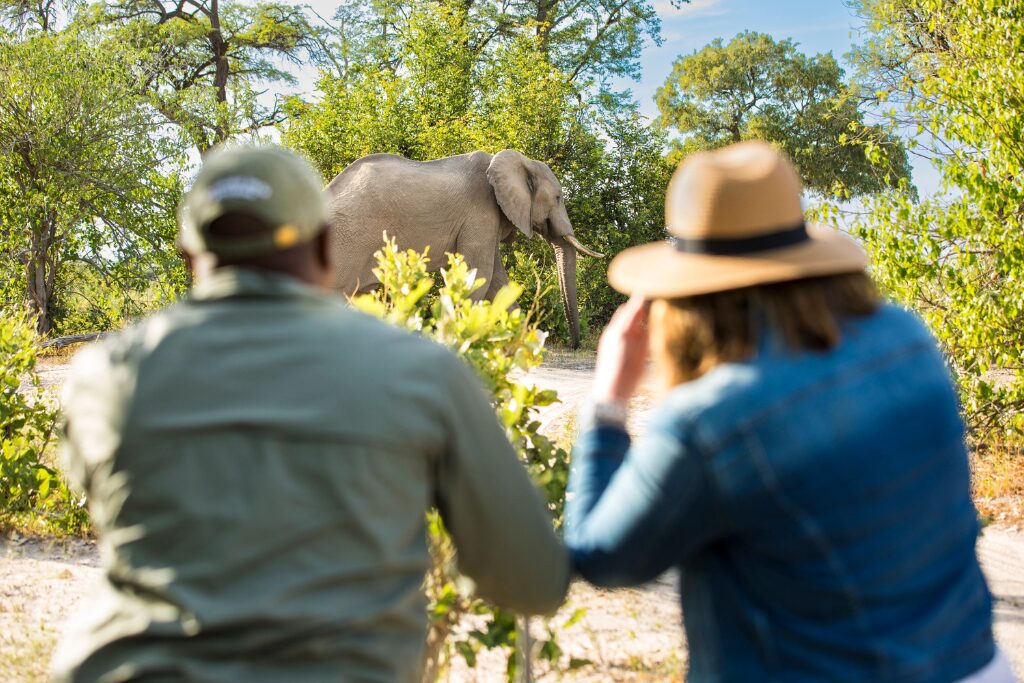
x: 84, y: 181
x: 202, y: 62
x: 759, y: 88
x: 35, y: 15
x: 594, y: 39
x: 953, y: 74
x: 584, y: 39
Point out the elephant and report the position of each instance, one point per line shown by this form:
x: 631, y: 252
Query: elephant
x: 467, y: 204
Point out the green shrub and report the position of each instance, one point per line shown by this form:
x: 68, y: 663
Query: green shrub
x: 500, y: 345
x: 31, y: 490
x: 951, y: 72
x: 86, y: 301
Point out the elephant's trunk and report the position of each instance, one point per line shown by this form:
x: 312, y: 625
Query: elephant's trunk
x: 565, y: 259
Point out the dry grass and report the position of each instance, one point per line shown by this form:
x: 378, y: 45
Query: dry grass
x: 65, y: 352
x: 997, y: 474
x: 27, y: 652
x: 42, y: 581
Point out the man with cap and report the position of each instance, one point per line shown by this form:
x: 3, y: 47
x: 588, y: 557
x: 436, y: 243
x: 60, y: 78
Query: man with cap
x: 259, y: 458
x: 806, y: 469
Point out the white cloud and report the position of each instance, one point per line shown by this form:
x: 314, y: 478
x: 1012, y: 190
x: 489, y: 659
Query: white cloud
x: 706, y: 8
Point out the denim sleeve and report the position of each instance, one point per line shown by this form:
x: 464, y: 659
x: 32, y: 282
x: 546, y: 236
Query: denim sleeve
x: 634, y: 511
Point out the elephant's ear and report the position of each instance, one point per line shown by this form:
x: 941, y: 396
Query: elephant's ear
x: 510, y: 178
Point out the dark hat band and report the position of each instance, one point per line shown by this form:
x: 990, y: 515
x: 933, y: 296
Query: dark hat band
x: 743, y: 245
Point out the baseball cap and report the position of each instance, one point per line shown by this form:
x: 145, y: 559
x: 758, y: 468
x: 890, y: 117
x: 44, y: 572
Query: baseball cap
x: 270, y: 183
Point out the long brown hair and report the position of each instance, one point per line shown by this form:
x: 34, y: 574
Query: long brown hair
x: 692, y: 335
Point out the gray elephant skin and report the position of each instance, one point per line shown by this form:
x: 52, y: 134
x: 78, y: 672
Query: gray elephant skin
x: 467, y: 204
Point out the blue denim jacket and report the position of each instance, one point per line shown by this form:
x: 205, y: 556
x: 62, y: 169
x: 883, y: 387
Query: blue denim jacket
x: 818, y: 505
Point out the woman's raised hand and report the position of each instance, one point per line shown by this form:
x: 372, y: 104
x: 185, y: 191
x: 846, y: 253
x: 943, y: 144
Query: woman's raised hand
x: 622, y: 353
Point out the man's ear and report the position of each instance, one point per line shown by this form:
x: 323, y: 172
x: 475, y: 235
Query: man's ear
x: 200, y: 265
x: 324, y: 256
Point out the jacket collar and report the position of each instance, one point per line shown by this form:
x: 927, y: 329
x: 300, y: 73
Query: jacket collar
x: 231, y: 282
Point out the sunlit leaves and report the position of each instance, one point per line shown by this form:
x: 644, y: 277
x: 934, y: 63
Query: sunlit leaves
x: 87, y: 190
x: 500, y: 343
x: 446, y: 100
x: 953, y: 70
x: 28, y: 484
x: 757, y: 88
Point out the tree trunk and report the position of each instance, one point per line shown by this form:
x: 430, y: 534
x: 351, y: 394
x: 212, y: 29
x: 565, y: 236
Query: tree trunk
x: 543, y: 17
x: 39, y: 296
x: 40, y: 271
x: 220, y: 79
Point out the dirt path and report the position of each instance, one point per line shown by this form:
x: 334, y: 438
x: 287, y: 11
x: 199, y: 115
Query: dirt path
x: 625, y: 635
x: 1002, y: 557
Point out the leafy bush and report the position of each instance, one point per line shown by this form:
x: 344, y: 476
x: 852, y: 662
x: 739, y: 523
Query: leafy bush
x: 499, y: 344
x: 952, y: 72
x: 86, y: 301
x: 86, y: 199
x: 29, y: 486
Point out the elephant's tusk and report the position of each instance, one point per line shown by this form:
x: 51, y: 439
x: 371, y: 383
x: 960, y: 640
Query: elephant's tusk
x: 571, y: 239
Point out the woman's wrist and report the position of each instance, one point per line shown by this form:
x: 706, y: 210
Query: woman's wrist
x: 604, y: 412
x: 610, y: 386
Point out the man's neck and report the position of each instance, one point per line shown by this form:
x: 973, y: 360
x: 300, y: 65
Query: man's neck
x: 203, y: 271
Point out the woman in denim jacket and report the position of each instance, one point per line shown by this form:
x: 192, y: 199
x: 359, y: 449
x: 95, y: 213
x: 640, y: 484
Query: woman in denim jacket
x: 806, y: 470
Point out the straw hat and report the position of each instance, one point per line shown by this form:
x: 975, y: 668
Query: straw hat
x: 736, y: 221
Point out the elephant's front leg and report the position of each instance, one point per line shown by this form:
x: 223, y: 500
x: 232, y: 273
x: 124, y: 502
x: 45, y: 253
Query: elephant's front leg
x: 499, y: 278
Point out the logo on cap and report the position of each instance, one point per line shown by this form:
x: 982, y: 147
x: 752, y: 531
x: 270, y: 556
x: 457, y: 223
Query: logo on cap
x: 286, y: 236
x: 240, y: 187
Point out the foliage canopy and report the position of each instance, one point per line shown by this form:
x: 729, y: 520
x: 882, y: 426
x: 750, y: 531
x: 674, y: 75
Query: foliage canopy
x: 952, y: 71
x: 757, y: 88
x: 201, y: 63
x: 86, y: 196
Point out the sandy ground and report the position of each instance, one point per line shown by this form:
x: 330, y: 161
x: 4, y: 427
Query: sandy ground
x: 625, y: 635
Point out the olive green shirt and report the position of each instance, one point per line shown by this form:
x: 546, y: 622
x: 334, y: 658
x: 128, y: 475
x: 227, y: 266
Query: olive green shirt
x: 258, y: 461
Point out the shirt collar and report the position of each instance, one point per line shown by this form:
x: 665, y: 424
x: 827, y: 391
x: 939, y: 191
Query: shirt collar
x: 228, y: 282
